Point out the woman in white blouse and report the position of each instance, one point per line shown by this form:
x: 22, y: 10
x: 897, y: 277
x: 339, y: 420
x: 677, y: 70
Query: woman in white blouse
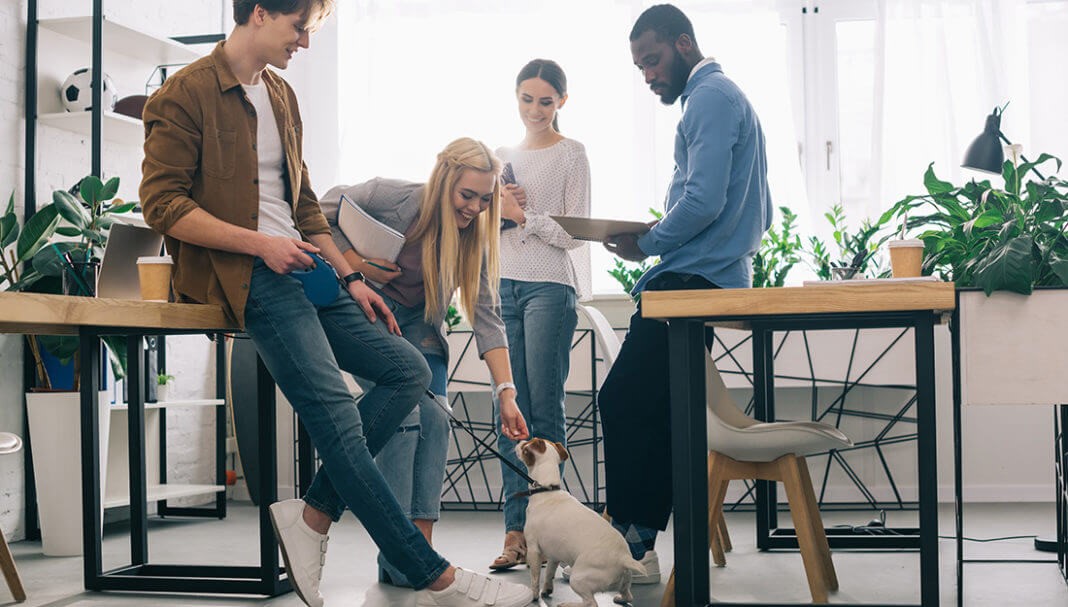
x: 543, y: 272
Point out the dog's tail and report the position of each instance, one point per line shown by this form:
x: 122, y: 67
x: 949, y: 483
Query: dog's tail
x: 635, y: 567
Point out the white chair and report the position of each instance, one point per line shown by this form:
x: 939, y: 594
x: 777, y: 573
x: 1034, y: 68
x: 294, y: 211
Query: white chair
x: 608, y: 343
x: 10, y: 443
x: 744, y: 448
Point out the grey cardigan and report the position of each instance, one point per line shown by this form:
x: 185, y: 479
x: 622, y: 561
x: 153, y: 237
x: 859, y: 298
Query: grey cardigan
x: 396, y: 203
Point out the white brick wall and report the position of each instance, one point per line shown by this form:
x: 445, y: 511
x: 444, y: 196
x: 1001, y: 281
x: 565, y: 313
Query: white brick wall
x: 63, y: 158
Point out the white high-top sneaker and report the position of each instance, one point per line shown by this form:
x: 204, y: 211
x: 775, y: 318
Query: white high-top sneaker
x: 303, y: 549
x: 470, y: 589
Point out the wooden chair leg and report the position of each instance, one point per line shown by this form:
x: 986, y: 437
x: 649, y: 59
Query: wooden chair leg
x: 717, y: 492
x: 668, y: 600
x: 11, y: 573
x: 724, y: 535
x: 800, y: 510
x: 820, y: 534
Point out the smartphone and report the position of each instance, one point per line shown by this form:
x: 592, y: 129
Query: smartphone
x: 507, y: 177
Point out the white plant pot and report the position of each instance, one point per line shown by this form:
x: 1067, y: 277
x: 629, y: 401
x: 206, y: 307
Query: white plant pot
x: 163, y: 393
x: 1013, y: 348
x: 55, y: 433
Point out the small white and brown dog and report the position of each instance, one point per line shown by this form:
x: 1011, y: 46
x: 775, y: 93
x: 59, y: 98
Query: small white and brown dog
x: 560, y: 529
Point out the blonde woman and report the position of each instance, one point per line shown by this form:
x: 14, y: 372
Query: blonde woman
x: 451, y: 225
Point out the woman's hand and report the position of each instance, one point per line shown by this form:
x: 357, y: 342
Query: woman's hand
x: 373, y: 270
x: 514, y: 201
x: 512, y: 423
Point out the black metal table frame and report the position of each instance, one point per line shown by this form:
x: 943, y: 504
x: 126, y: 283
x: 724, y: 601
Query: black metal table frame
x: 690, y: 446
x: 140, y: 575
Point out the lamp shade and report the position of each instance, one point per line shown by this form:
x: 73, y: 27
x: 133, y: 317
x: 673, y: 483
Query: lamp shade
x: 985, y: 153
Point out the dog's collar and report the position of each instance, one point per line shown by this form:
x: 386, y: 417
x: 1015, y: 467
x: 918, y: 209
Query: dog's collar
x: 537, y: 490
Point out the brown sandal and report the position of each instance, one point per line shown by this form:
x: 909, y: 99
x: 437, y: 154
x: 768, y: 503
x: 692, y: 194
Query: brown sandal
x: 512, y: 555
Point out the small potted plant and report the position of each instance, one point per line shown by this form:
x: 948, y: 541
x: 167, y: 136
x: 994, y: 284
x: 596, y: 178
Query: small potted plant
x: 163, y: 387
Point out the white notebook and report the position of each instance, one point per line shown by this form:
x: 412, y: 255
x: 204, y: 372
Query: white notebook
x: 372, y: 238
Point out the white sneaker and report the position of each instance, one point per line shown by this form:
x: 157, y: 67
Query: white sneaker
x: 303, y: 549
x: 650, y: 561
x: 473, y: 590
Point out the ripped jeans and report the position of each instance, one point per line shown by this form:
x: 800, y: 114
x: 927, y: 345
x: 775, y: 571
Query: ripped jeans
x: 413, y: 461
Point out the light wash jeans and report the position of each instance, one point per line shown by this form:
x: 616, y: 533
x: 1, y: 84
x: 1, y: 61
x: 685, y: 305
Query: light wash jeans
x: 413, y: 461
x: 540, y: 318
x: 304, y: 348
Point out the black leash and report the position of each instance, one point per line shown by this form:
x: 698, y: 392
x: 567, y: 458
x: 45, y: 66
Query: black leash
x: 536, y: 487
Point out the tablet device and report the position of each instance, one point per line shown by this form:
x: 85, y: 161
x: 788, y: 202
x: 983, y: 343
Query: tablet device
x: 598, y: 230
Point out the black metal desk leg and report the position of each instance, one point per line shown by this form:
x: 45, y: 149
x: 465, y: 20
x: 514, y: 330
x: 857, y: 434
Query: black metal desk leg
x: 767, y: 501
x: 268, y: 476
x: 689, y: 452
x: 928, y: 457
x: 135, y: 394
x: 958, y: 449
x: 221, y: 380
x: 89, y: 346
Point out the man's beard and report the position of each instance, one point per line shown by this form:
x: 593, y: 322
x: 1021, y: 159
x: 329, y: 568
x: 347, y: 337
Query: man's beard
x: 680, y: 73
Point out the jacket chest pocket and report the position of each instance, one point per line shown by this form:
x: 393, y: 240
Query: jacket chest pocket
x: 219, y: 148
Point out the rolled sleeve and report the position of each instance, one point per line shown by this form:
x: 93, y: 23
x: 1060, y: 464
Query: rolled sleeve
x: 172, y: 158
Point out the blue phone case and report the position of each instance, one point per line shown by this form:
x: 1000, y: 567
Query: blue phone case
x: 320, y: 283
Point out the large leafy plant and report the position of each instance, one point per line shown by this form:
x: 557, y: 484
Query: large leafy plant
x: 977, y: 235
x: 74, y: 225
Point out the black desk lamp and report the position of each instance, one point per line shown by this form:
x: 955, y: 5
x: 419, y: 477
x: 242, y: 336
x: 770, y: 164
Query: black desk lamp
x: 985, y: 153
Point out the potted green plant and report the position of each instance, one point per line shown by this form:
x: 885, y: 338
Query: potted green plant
x: 62, y: 242
x: 855, y: 254
x: 1006, y: 248
x: 163, y: 387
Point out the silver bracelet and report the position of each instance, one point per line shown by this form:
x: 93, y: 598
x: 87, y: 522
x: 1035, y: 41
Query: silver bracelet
x: 501, y: 387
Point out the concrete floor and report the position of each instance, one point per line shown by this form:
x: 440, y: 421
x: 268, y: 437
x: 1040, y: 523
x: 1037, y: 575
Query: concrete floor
x: 472, y: 539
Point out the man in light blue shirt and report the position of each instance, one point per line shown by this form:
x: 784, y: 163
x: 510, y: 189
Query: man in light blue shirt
x: 717, y: 209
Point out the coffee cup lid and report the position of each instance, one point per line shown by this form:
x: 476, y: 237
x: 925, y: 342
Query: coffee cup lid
x: 154, y: 260
x: 911, y: 242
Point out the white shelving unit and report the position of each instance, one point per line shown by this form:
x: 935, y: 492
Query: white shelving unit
x: 117, y: 478
x: 117, y: 127
x: 122, y: 40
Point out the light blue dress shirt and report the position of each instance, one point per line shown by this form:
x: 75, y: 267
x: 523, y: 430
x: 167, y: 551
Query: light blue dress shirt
x: 718, y: 206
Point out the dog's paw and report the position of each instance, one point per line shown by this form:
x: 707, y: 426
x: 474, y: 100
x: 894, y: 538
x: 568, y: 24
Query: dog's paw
x: 619, y: 599
x: 547, y: 591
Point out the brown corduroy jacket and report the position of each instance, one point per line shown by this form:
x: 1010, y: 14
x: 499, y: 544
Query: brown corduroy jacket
x: 200, y: 152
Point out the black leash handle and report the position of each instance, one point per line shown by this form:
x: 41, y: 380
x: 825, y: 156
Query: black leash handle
x: 458, y: 424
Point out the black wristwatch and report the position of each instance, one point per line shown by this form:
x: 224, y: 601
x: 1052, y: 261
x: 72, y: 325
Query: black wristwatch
x: 351, y: 278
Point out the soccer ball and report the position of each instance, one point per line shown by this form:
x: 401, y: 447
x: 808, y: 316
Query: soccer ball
x: 77, y: 92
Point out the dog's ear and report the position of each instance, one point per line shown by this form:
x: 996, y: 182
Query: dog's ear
x: 562, y: 451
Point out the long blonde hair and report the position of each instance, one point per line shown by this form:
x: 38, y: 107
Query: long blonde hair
x: 452, y: 258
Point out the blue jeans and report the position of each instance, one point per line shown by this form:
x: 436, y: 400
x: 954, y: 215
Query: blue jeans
x: 305, y: 348
x: 540, y: 318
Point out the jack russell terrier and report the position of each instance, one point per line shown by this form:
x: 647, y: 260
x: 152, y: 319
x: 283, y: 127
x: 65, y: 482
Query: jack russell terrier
x: 562, y: 530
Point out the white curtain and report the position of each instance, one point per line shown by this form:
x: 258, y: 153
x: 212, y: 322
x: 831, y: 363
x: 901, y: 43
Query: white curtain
x: 941, y: 67
x: 415, y: 74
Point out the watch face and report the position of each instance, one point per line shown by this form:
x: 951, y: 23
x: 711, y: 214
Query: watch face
x: 353, y: 277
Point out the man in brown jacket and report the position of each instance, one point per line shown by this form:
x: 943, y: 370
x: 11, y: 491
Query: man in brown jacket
x: 224, y: 180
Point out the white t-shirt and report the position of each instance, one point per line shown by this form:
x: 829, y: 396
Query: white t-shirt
x: 276, y: 215
x: 557, y: 182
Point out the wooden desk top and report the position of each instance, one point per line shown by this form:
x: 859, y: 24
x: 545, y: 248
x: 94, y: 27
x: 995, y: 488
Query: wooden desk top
x: 33, y: 313
x: 837, y: 298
